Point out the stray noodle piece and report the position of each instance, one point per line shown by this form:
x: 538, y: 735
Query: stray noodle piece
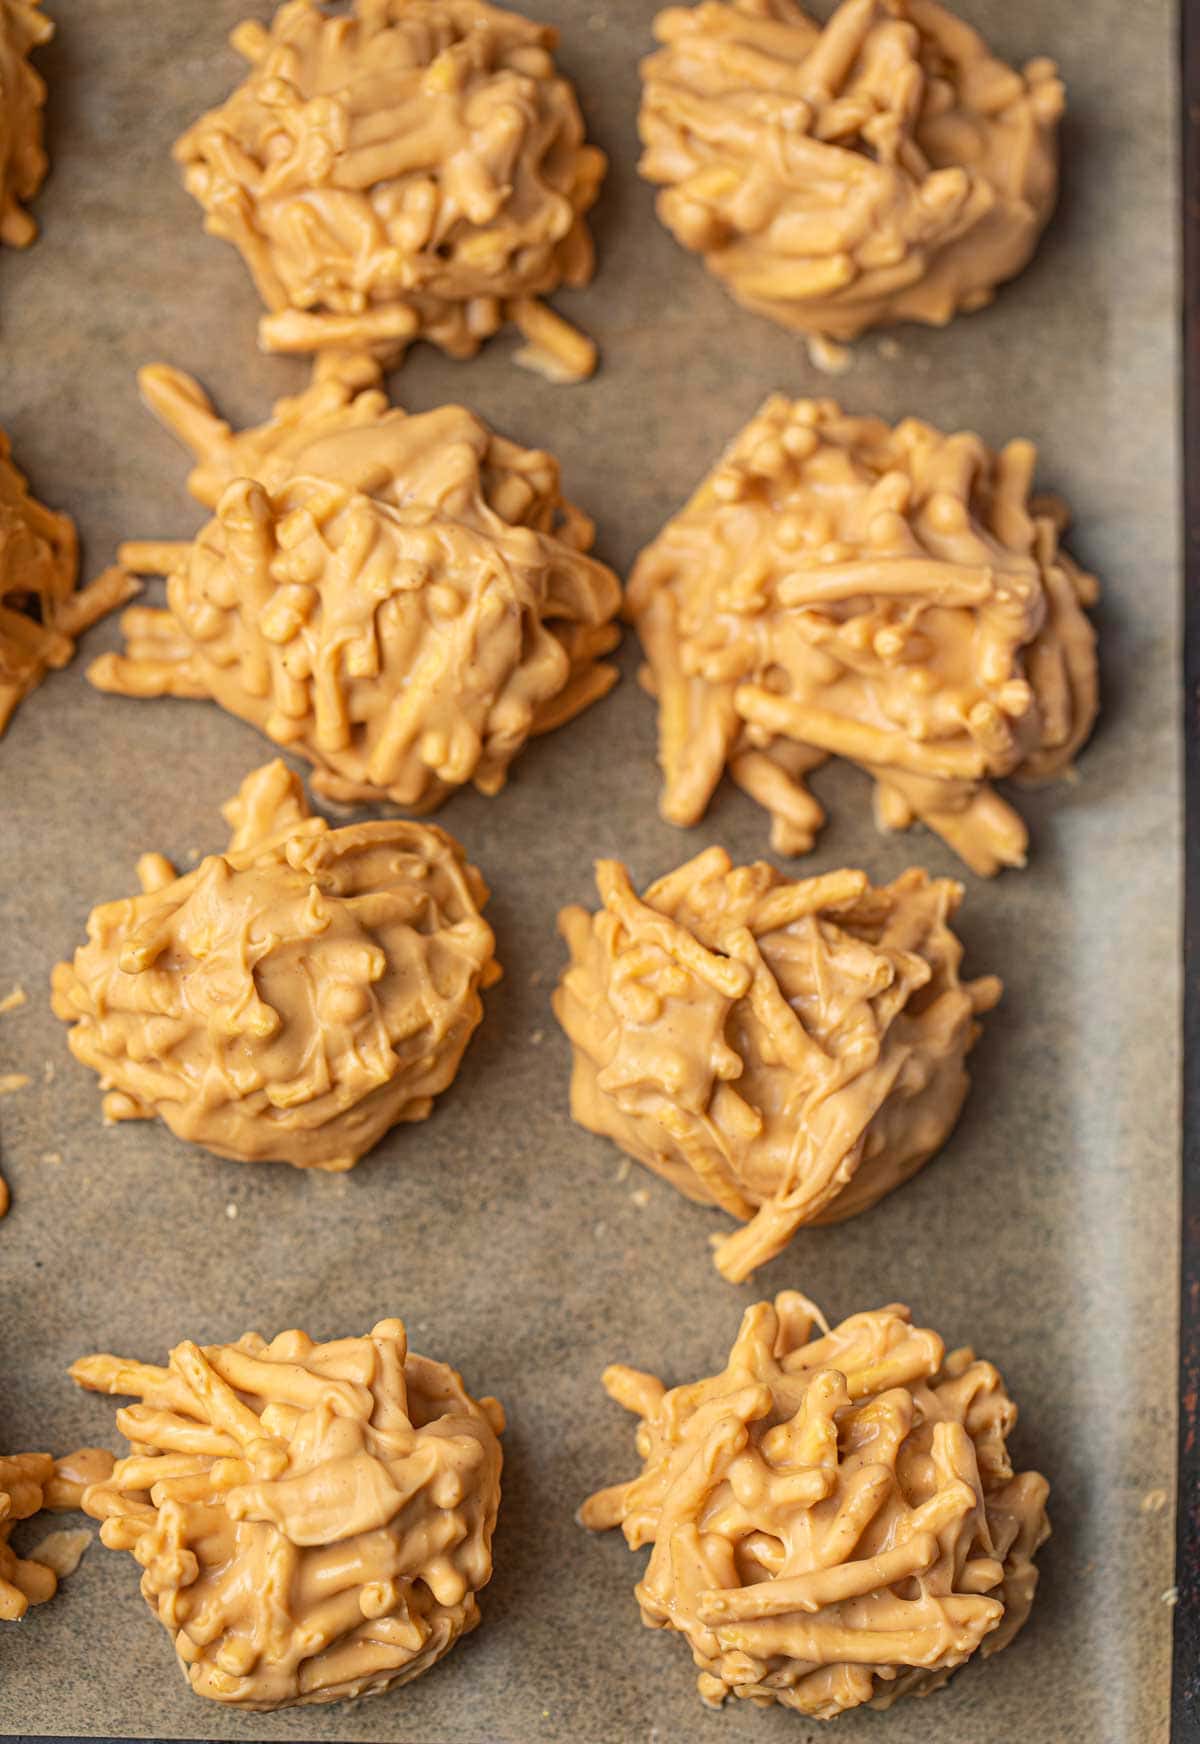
x: 313, y: 1521
x: 30, y: 1482
x: 11, y: 1082
x: 896, y: 597
x: 13, y: 1001
x: 834, y: 1518
x: 23, y: 26
x: 787, y: 1050
x: 293, y: 998
x: 402, y: 170
x: 40, y: 612
x: 402, y: 600
x: 882, y: 167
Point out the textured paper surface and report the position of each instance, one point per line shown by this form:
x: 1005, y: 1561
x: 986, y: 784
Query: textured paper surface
x: 1045, y: 1233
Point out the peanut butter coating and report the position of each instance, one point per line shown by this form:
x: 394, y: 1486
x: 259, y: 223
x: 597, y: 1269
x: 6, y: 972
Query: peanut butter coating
x: 40, y: 611
x: 883, y: 167
x: 293, y: 998
x: 402, y: 600
x: 834, y: 1518
x: 414, y: 170
x: 23, y: 27
x: 313, y: 1521
x: 30, y: 1482
x: 897, y: 597
x: 788, y: 1050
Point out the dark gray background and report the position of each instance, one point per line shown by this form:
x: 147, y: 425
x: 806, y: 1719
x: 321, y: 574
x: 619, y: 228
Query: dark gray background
x: 1046, y: 1233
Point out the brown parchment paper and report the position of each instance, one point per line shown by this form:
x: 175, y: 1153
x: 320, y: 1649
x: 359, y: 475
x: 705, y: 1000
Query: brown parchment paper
x: 506, y: 1238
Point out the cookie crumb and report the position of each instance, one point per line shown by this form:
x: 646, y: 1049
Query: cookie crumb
x: 828, y: 356
x: 62, y: 1551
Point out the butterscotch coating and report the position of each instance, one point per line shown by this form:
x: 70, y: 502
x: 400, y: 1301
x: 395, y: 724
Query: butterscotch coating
x: 293, y: 998
x: 896, y: 597
x: 883, y: 167
x: 40, y: 612
x: 30, y: 1482
x: 788, y: 1050
x: 402, y: 600
x: 414, y: 169
x: 834, y: 1519
x: 23, y: 27
x: 313, y: 1521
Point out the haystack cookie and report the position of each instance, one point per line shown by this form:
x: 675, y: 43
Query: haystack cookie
x: 788, y: 1050
x: 414, y: 170
x: 897, y: 597
x: 882, y: 167
x: 402, y: 600
x: 834, y: 1518
x: 40, y: 612
x: 23, y: 27
x: 314, y: 1521
x: 29, y: 1483
x: 293, y: 998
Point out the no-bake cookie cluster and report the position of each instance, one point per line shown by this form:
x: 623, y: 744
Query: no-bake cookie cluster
x: 897, y: 597
x: 883, y: 166
x: 416, y: 169
x: 789, y: 1050
x: 834, y: 1518
x: 313, y: 1521
x: 293, y: 998
x: 403, y: 600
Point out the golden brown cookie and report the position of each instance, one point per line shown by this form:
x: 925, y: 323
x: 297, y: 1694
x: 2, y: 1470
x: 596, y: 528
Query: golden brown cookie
x: 40, y: 611
x: 30, y: 1482
x: 882, y: 167
x: 293, y: 998
x: 897, y: 597
x: 23, y: 27
x: 835, y: 1519
x: 313, y: 1521
x: 788, y: 1050
x: 414, y: 170
x: 402, y: 600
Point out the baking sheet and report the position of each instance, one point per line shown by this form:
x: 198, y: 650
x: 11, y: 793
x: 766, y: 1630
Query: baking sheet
x: 1046, y: 1233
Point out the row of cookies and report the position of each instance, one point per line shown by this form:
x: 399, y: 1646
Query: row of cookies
x: 419, y: 168
x: 834, y: 1515
x: 404, y: 600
